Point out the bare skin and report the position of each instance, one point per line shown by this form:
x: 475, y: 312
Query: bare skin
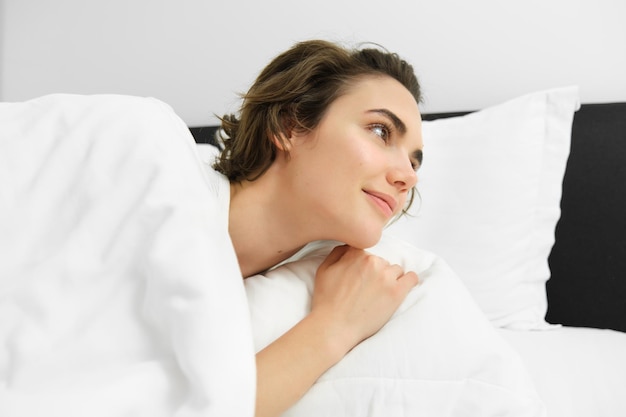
x: 343, y: 181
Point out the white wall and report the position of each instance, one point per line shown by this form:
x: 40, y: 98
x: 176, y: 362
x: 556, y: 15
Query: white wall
x: 197, y: 54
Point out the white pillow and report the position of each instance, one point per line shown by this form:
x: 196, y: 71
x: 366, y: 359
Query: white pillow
x: 437, y: 356
x: 207, y: 152
x: 490, y: 193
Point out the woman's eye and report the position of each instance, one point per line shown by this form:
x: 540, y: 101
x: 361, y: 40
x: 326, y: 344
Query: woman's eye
x: 381, y: 131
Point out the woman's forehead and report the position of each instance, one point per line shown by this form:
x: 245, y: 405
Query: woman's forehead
x: 382, y: 94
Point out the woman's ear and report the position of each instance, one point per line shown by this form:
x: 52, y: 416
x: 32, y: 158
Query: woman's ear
x: 282, y: 141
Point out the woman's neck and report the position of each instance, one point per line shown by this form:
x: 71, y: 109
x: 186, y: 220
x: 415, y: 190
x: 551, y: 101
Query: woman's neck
x: 261, y: 227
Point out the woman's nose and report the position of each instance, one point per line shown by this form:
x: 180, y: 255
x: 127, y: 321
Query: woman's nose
x: 402, y: 174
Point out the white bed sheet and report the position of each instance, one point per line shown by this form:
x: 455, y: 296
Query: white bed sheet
x: 578, y: 372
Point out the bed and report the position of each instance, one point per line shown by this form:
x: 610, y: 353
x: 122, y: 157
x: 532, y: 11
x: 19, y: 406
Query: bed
x: 567, y: 321
x: 106, y: 309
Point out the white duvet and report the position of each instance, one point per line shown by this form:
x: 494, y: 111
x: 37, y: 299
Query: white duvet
x: 120, y: 293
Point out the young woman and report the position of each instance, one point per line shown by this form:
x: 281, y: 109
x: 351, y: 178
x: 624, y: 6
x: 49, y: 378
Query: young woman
x: 325, y: 146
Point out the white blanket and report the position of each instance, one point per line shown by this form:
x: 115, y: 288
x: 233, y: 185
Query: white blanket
x: 120, y: 293
x: 438, y: 356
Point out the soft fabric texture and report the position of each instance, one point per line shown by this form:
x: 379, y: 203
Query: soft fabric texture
x: 490, y: 189
x: 579, y: 372
x: 120, y: 292
x: 437, y: 356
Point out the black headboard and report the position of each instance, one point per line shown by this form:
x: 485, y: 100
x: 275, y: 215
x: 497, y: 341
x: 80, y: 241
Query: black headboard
x: 204, y: 134
x: 588, y: 261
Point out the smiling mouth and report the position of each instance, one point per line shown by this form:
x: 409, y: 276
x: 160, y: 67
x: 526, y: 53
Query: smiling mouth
x: 381, y: 203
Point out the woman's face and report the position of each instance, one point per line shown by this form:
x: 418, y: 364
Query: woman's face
x: 352, y: 173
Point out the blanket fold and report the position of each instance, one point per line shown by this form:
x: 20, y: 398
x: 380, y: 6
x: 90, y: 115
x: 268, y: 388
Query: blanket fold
x: 115, y: 277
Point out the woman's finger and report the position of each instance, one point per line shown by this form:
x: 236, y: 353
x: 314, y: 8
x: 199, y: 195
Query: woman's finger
x: 408, y: 280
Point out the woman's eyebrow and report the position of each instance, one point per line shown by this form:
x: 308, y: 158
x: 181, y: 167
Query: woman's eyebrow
x: 398, y: 124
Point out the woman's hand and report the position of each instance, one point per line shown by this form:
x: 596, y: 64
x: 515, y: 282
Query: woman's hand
x: 355, y: 294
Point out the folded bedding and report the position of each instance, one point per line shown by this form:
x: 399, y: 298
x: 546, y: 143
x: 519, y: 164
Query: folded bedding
x: 119, y: 293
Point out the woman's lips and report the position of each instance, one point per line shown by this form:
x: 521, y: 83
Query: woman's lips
x: 385, y: 202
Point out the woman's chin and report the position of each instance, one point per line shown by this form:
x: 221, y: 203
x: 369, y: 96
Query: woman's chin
x: 365, y: 239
